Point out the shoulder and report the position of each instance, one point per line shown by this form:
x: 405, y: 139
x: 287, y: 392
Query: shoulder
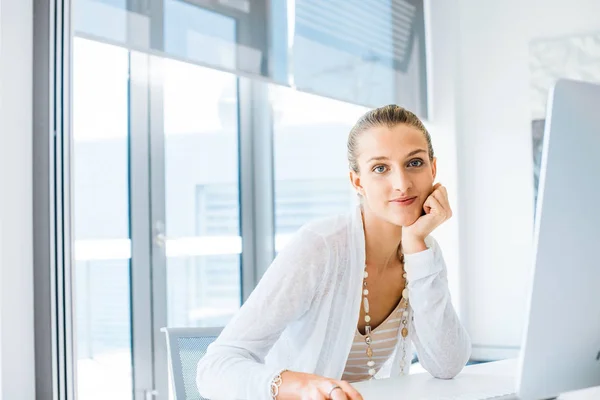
x: 316, y: 238
x: 331, y: 230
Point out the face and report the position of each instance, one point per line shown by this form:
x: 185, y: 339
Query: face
x: 395, y: 174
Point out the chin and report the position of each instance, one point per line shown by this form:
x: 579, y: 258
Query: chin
x: 403, y: 219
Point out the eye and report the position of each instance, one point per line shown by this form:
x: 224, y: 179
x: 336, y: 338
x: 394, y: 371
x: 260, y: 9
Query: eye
x: 417, y: 162
x: 379, y: 169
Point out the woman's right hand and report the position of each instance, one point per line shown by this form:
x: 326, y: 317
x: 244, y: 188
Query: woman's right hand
x: 302, y: 386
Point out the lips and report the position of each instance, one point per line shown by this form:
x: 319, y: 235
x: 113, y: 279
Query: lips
x: 404, y: 201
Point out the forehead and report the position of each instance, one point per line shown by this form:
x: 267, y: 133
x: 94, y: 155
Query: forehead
x: 393, y: 142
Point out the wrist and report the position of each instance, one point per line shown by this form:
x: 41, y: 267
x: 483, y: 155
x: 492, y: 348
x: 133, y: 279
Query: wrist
x: 412, y: 245
x: 276, y: 383
x: 289, y: 386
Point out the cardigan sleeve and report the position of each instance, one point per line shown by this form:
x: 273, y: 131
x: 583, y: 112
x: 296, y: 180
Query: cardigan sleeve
x: 442, y: 343
x: 233, y: 367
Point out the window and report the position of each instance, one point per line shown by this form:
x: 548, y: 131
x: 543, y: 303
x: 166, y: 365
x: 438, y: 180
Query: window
x: 101, y: 199
x: 310, y: 162
x: 201, y: 195
x: 300, y: 201
x: 173, y: 151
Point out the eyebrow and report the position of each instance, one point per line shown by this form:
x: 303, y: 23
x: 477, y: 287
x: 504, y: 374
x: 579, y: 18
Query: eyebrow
x: 412, y: 153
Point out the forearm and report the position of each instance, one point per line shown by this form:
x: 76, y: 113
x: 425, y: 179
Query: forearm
x: 233, y: 375
x: 442, y: 343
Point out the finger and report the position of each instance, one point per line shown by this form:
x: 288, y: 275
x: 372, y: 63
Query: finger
x: 350, y: 391
x: 326, y: 388
x: 427, y: 205
x: 443, y: 190
x: 442, y: 200
x: 338, y: 394
x: 442, y: 197
x: 315, y: 394
x: 436, y: 186
x: 436, y: 207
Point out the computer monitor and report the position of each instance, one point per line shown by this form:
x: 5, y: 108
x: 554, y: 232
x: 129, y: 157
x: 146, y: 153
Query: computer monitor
x: 561, y: 344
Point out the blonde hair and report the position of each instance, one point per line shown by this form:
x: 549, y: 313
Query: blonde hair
x: 390, y: 116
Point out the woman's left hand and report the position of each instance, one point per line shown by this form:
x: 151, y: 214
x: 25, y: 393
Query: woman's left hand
x: 437, y: 211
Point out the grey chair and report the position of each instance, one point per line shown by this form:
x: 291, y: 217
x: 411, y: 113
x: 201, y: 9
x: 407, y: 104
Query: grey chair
x: 185, y: 347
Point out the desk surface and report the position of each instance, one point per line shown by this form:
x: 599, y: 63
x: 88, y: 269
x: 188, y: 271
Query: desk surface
x: 491, y: 377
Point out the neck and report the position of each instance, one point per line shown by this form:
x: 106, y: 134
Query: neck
x: 382, y: 239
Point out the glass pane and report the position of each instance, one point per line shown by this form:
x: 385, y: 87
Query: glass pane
x: 229, y: 35
x: 311, y: 168
x: 369, y: 52
x: 101, y: 220
x: 202, y: 195
x: 114, y: 20
x: 200, y: 35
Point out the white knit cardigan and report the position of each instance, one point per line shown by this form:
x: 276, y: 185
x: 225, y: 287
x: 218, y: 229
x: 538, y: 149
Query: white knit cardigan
x: 303, y: 315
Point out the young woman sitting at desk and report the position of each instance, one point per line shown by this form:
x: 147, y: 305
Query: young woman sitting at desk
x: 348, y: 296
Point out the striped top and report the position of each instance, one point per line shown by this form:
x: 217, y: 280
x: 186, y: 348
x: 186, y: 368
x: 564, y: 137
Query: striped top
x: 385, y: 338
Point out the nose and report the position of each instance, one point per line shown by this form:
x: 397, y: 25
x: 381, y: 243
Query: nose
x: 401, y: 181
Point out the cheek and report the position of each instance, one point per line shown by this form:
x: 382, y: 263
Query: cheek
x: 424, y: 181
x: 377, y: 191
x: 380, y: 187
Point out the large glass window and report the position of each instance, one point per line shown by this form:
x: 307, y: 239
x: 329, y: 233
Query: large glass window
x: 101, y: 220
x: 159, y: 141
x: 201, y: 195
x: 310, y: 162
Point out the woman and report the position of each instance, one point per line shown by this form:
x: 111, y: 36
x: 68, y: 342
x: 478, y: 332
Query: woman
x: 349, y: 294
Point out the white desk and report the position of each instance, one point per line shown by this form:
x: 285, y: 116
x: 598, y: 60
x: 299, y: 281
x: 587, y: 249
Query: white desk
x: 487, y: 377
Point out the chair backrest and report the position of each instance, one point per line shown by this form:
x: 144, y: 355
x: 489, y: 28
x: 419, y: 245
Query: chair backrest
x: 185, y: 347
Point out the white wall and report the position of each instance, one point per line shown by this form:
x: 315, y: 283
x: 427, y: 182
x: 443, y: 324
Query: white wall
x: 442, y: 36
x: 17, y: 380
x: 493, y: 131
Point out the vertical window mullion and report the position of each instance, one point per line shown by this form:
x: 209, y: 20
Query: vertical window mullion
x: 256, y: 181
x: 139, y: 189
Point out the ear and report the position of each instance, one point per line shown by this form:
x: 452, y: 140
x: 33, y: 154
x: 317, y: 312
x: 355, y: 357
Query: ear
x: 355, y: 180
x: 434, y: 167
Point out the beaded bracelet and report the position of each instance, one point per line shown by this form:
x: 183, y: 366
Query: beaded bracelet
x: 275, y: 383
